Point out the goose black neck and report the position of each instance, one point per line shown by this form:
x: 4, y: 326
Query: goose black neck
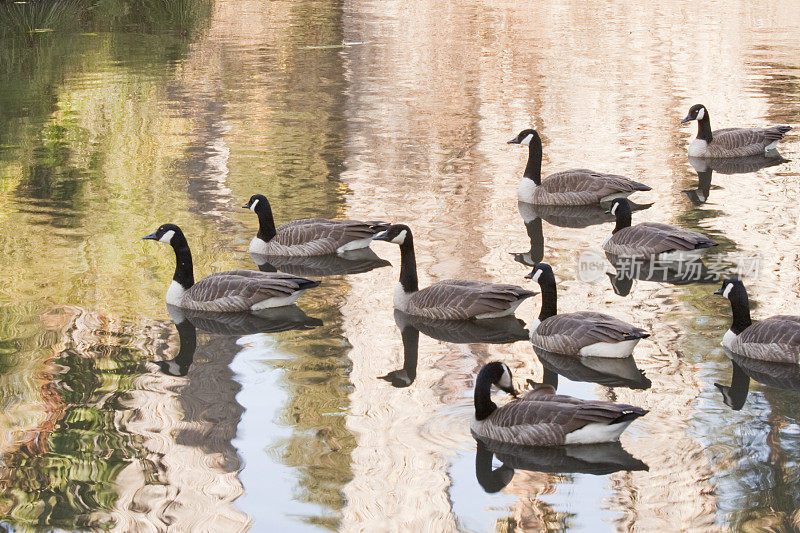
x: 623, y: 218
x: 533, y: 170
x: 740, y: 387
x: 484, y: 406
x: 410, y: 338
x: 536, y: 236
x: 549, y: 377
x: 547, y: 282
x: 266, y: 222
x: 184, y: 273
x: 188, y: 338
x: 704, y: 128
x: 408, y: 265
x: 740, y: 307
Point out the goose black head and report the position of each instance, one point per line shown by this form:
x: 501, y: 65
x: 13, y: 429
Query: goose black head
x: 257, y: 201
x: 732, y: 289
x: 620, y: 206
x: 696, y: 112
x: 396, y: 233
x: 540, y: 272
x: 499, y: 375
x: 525, y: 137
x: 168, y: 234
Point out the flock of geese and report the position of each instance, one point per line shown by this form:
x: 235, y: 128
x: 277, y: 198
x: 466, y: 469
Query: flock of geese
x: 472, y: 310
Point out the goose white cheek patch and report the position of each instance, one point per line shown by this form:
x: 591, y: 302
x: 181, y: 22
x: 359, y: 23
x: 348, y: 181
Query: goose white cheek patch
x: 614, y: 209
x: 727, y: 291
x: 401, y: 237
x: 167, y: 237
x: 536, y: 276
x: 701, y: 114
x: 505, y: 379
x: 253, y: 206
x: 527, y: 140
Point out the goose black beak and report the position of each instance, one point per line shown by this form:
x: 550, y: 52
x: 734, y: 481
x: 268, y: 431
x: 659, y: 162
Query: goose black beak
x: 382, y: 236
x: 515, y: 140
x: 719, y: 292
x: 152, y: 237
x: 246, y: 206
x: 687, y: 119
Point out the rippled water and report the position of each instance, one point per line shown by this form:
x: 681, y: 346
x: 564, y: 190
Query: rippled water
x: 368, y: 109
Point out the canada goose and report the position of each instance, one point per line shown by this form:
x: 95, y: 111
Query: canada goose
x: 609, y: 372
x: 585, y: 333
x: 595, y: 459
x: 776, y: 338
x: 784, y: 376
x: 309, y: 236
x: 650, y: 239
x: 234, y: 290
x: 730, y: 142
x: 569, y: 187
x: 273, y: 320
x: 352, y: 262
x: 450, y: 299
x: 542, y: 417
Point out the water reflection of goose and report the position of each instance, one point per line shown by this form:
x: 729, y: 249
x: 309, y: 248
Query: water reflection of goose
x: 503, y: 330
x: 609, y: 372
x: 691, y: 270
x: 569, y: 187
x: 583, y: 333
x: 274, y: 320
x: 542, y: 417
x: 738, y: 165
x: 179, y: 365
x: 730, y: 142
x: 775, y: 339
x: 564, y: 216
x: 596, y: 459
x: 451, y: 299
x: 231, y: 291
x: 308, y: 236
x: 784, y: 376
x: 352, y: 262
x: 650, y: 239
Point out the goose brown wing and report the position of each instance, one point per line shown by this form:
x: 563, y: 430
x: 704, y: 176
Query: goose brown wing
x: 463, y: 299
x: 238, y: 290
x: 548, y: 419
x: 568, y: 333
x: 741, y: 142
x: 651, y: 238
x: 779, y: 329
x: 588, y: 185
x: 320, y: 236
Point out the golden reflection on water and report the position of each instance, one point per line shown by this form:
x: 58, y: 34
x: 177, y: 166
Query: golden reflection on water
x: 406, y: 121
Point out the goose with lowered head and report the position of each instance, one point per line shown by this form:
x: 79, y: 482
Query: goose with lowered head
x: 585, y: 333
x: 569, y: 187
x: 730, y: 142
x: 450, y: 299
x: 775, y: 339
x: 542, y: 417
x: 309, y: 236
x: 234, y: 290
x: 650, y: 239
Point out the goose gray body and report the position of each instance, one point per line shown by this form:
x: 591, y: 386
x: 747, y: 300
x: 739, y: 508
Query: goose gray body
x: 544, y: 418
x: 351, y: 262
x: 570, y: 187
x: 649, y: 239
x: 458, y: 299
x: 309, y: 236
x: 225, y: 292
x: 730, y: 142
x: 451, y: 299
x: 585, y: 333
